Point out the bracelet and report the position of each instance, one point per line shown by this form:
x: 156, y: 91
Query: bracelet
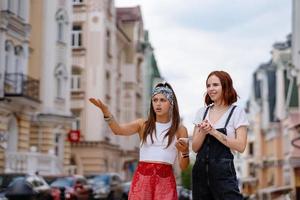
x: 109, y: 119
x: 186, y: 156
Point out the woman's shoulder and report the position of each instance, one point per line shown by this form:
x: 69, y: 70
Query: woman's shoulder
x: 199, y: 114
x: 181, y: 131
x: 239, y: 109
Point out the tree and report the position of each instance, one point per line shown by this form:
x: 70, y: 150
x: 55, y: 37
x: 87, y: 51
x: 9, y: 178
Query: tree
x: 186, y: 177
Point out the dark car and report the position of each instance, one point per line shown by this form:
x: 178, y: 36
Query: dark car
x: 38, y: 186
x: 5, y: 180
x: 126, y: 188
x: 73, y: 187
x: 183, y: 193
x: 107, y: 186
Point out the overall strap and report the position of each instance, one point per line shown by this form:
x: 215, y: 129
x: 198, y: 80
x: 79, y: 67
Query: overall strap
x: 205, y: 113
x: 229, y: 116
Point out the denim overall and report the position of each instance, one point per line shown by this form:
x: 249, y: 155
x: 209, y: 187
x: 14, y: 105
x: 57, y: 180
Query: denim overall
x: 213, y: 173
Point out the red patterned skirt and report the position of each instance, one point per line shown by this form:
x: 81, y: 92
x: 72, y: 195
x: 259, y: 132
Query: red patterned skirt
x: 153, y: 181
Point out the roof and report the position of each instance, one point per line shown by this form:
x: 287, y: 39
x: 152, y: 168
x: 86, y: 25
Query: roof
x: 129, y: 13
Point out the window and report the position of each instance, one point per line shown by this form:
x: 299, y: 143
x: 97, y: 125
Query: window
x: 8, y: 55
x: 10, y: 5
x: 77, y: 36
x: 108, y: 48
x: 108, y: 87
x: 18, y: 69
x: 60, y: 32
x: 59, y: 145
x: 76, y: 80
x: 77, y: 2
x: 18, y: 59
x: 251, y: 150
x: 76, y: 123
x: 76, y: 83
x: 61, y: 19
x: 61, y: 78
x: 20, y: 8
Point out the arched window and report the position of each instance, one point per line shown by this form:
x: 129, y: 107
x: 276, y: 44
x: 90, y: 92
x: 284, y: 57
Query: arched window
x: 12, y: 130
x: 9, y: 56
x: 62, y: 21
x: 19, y: 52
x: 18, y: 68
x: 61, y: 77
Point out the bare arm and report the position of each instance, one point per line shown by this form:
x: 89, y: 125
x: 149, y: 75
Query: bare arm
x: 183, y: 148
x: 238, y: 143
x: 118, y: 129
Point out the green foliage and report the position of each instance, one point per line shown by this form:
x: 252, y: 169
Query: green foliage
x: 186, y: 177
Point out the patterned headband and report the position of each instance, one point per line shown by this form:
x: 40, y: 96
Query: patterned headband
x: 165, y: 91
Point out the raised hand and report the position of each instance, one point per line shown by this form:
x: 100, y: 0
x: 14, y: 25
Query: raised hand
x: 100, y: 104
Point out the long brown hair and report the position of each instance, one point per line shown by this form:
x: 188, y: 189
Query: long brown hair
x: 150, y: 123
x: 229, y: 95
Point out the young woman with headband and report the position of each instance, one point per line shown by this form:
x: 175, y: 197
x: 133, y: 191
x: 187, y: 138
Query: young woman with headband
x: 163, y: 139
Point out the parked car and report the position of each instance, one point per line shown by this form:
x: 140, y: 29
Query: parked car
x: 5, y: 180
x: 8, y: 183
x: 183, y: 193
x: 126, y: 188
x: 73, y: 187
x: 107, y: 186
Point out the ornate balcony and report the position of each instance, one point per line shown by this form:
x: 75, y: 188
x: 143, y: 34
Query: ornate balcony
x: 20, y: 85
x: 32, y: 162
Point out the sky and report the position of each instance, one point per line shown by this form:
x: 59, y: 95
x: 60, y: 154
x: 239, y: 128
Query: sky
x: 191, y: 38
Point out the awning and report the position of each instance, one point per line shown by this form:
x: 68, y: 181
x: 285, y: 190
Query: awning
x: 281, y: 190
x: 293, y: 120
x: 248, y: 180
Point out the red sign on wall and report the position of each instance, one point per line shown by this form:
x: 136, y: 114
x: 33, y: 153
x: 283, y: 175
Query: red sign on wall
x: 74, y: 136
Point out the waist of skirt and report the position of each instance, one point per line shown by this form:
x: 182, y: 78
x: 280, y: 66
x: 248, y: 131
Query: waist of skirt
x: 154, y: 168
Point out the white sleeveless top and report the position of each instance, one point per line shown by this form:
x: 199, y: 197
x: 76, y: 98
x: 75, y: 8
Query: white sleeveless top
x: 157, y: 151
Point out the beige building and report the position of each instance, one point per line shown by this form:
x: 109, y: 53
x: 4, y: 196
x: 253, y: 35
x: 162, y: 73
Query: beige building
x: 107, y: 58
x: 34, y: 78
x: 273, y: 161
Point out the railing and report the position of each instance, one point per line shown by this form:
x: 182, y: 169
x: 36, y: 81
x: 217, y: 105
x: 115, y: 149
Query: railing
x: 32, y: 162
x: 17, y: 84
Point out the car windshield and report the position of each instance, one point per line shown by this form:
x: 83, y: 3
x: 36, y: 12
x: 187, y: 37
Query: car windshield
x: 5, y: 181
x: 62, y: 182
x: 101, y: 178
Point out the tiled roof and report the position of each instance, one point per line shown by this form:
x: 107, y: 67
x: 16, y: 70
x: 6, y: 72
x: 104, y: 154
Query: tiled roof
x: 129, y: 13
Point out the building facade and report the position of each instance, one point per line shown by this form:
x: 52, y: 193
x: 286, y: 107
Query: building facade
x: 34, y: 70
x: 107, y: 64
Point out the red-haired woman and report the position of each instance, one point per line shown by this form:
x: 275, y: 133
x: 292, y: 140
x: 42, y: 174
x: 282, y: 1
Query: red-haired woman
x: 160, y: 144
x: 220, y: 128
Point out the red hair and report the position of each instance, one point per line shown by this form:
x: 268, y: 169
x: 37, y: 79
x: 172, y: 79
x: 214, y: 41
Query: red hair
x: 229, y: 95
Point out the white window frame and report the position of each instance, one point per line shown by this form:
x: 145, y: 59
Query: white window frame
x: 62, y: 21
x: 76, y: 83
x: 58, y: 144
x: 77, y: 37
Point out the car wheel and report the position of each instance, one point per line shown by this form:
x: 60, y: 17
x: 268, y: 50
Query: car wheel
x: 110, y: 196
x: 49, y: 197
x: 124, y: 197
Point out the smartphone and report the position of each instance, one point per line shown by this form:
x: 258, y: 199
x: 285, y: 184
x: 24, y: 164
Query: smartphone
x: 186, y: 140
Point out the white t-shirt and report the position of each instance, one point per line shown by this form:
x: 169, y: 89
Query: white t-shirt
x: 238, y: 119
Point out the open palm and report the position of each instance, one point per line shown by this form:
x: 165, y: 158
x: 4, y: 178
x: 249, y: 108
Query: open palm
x: 99, y: 104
